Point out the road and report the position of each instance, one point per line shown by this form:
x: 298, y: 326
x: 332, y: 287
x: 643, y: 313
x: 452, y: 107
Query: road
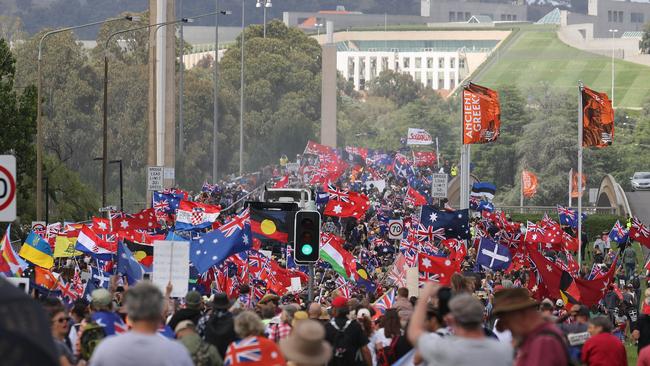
x: 640, y: 205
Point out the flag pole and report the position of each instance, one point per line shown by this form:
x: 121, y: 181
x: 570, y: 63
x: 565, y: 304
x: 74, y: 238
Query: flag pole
x: 437, y: 154
x: 580, y: 132
x: 571, y: 182
x: 521, y: 193
x: 464, y: 166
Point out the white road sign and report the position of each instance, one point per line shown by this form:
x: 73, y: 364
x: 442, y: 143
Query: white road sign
x: 439, y: 185
x: 155, y: 178
x: 395, y: 229
x: 7, y: 188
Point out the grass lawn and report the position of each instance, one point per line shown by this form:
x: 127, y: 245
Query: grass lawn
x: 537, y: 56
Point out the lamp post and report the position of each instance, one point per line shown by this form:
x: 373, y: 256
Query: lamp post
x: 118, y: 161
x: 264, y: 4
x: 39, y: 111
x: 105, y: 106
x: 613, y: 32
x: 241, y: 93
x: 318, y: 27
x: 215, y: 92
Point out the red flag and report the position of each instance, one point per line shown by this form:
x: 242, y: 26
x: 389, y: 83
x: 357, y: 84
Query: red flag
x: 144, y: 220
x: 639, y: 232
x: 414, y: 197
x: 570, y: 243
x: 528, y: 183
x: 574, y: 183
x: 282, y: 182
x: 481, y: 114
x: 101, y: 226
x: 424, y: 158
x: 437, y: 269
x: 597, y: 120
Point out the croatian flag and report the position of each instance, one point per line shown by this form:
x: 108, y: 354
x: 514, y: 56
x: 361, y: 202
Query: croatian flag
x: 194, y: 215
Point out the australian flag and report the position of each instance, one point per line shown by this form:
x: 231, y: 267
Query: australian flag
x: 569, y: 217
x: 166, y: 203
x: 214, y: 247
x: 492, y: 255
x: 455, y: 223
x: 618, y: 233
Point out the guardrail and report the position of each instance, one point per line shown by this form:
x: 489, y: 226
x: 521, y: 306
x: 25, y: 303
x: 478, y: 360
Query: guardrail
x: 552, y: 210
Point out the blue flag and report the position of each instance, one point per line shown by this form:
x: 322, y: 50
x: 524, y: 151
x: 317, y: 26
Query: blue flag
x: 216, y: 246
x: 492, y: 255
x: 166, y: 202
x: 454, y: 223
x: 484, y: 189
x: 569, y: 217
x: 128, y: 265
x: 618, y: 233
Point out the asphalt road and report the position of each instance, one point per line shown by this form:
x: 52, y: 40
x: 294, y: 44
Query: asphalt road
x: 640, y: 205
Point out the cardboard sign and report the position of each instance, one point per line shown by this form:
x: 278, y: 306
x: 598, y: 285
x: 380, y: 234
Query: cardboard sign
x: 171, y: 263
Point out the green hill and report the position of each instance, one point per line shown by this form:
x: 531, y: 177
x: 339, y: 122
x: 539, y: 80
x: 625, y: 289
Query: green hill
x: 536, y: 55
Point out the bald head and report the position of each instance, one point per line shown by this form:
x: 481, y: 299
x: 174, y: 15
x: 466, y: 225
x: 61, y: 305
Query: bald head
x: 314, y: 310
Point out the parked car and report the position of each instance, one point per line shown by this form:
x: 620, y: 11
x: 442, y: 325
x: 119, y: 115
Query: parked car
x: 640, y: 181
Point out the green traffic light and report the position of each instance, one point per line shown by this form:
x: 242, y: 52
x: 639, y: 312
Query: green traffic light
x: 307, y: 249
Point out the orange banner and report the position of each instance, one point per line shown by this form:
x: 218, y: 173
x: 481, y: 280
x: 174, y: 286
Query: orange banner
x: 597, y: 119
x: 481, y: 114
x: 574, y: 183
x: 529, y: 183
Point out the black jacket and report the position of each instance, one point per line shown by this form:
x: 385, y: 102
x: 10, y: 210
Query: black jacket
x: 220, y: 331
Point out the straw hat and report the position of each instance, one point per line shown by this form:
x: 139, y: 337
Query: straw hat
x: 512, y: 299
x: 306, y: 344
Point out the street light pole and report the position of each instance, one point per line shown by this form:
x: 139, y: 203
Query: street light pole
x: 39, y: 110
x: 265, y: 4
x: 105, y: 106
x: 241, y: 93
x: 215, y: 96
x: 181, y: 81
x: 613, y: 32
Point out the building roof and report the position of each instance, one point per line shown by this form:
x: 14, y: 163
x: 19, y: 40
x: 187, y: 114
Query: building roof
x: 633, y: 35
x: 480, y: 19
x: 552, y: 17
x: 417, y: 46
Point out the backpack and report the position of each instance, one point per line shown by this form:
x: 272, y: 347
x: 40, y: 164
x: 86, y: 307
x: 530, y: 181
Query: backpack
x: 341, y: 355
x: 388, y: 355
x: 201, y: 357
x: 92, y: 333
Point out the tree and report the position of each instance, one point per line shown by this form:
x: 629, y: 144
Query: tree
x: 644, y: 43
x: 396, y: 86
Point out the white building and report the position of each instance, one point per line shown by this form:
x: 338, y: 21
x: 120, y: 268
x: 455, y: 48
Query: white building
x: 435, y: 70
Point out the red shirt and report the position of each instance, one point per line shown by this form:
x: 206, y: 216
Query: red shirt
x: 604, y: 349
x: 644, y: 357
x: 540, y: 349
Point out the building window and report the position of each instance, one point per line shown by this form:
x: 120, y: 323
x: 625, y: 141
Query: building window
x: 503, y: 17
x: 418, y: 62
x: 429, y: 62
x: 429, y: 79
x: 514, y: 17
x: 418, y: 77
x: 406, y: 61
x: 620, y: 17
x: 609, y: 16
x: 452, y: 16
x: 460, y: 16
x: 452, y: 81
x: 350, y: 68
x: 441, y: 80
x: 467, y: 15
x: 384, y: 63
x: 441, y: 63
x: 373, y: 68
x: 452, y: 62
x: 636, y: 17
x: 461, y: 63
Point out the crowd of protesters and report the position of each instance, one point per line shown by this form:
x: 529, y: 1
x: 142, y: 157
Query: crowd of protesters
x: 482, y: 318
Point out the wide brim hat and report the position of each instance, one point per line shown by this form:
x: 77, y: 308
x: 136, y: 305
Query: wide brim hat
x: 221, y: 301
x: 306, y: 345
x: 512, y: 299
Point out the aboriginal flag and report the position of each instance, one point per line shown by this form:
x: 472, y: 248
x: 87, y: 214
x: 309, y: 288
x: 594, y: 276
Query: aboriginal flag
x: 270, y: 225
x: 597, y: 119
x: 143, y: 253
x: 481, y: 114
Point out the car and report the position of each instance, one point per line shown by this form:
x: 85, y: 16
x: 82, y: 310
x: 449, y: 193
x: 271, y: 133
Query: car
x: 640, y: 181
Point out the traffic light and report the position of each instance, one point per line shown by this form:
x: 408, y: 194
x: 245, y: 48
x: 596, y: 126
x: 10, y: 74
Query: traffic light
x: 306, y: 237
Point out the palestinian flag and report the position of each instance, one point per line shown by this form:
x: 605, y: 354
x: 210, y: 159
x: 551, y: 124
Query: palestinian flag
x: 143, y: 253
x: 269, y: 225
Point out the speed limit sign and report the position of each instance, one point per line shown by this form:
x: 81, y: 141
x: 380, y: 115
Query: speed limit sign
x: 395, y: 229
x: 7, y: 188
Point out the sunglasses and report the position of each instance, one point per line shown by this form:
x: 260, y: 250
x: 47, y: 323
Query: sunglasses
x: 62, y: 320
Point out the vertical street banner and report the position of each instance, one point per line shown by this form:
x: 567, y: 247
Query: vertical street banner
x: 529, y: 183
x: 481, y: 114
x: 597, y: 119
x: 574, y: 183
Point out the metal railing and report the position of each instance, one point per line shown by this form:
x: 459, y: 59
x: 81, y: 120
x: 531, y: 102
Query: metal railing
x: 552, y: 210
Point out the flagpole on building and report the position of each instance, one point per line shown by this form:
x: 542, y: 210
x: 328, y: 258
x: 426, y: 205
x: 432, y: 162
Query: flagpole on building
x: 580, y: 131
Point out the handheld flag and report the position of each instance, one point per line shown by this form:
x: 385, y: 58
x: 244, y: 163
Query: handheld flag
x: 437, y: 269
x: 618, y: 233
x: 493, y: 255
x: 88, y: 242
x: 385, y: 302
x: 10, y: 262
x: 455, y: 223
x: 195, y: 215
x: 128, y: 265
x: 37, y: 251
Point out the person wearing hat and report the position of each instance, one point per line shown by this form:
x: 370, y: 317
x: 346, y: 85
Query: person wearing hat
x: 220, y: 328
x: 306, y: 346
x: 541, y: 343
x: 468, y: 345
x: 346, y: 337
x: 202, y: 353
x: 101, y: 312
x: 192, y: 311
x: 268, y: 308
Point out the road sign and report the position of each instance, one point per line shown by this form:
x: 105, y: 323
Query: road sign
x: 439, y: 185
x: 396, y: 229
x: 39, y: 227
x: 593, y: 195
x: 7, y: 188
x: 155, y: 178
x: 169, y: 173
